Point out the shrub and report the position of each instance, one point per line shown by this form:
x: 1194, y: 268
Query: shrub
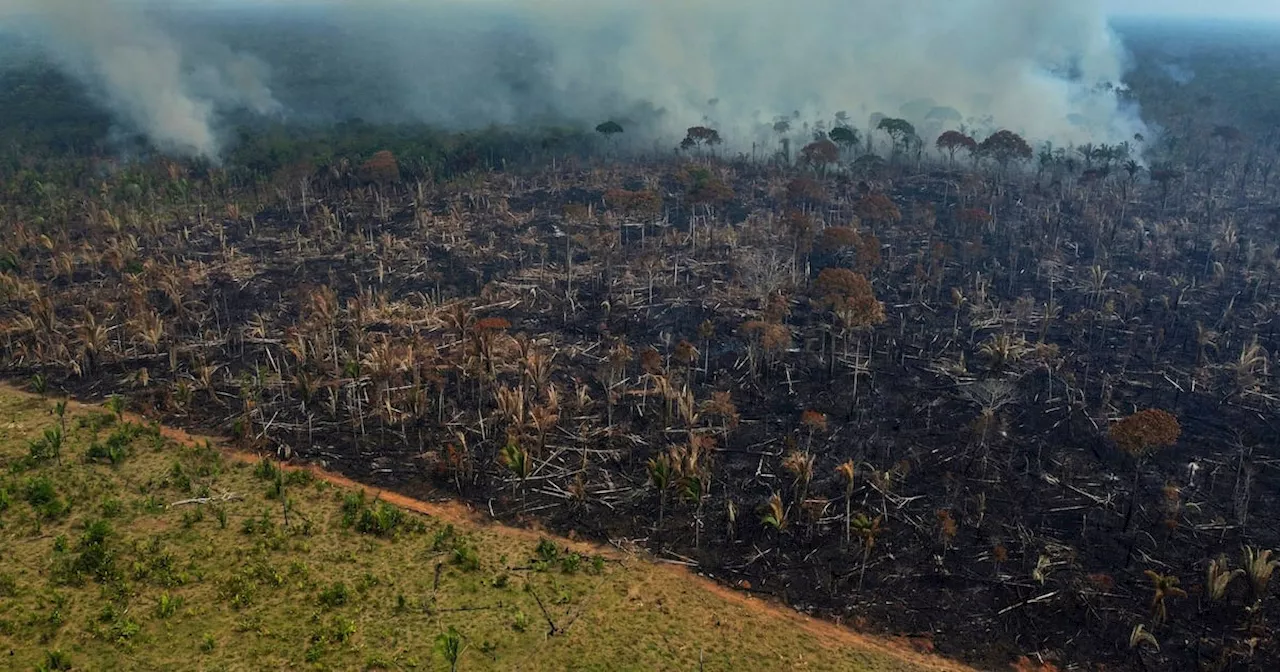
x: 167, y: 605
x: 55, y: 659
x: 121, y: 628
x: 367, y: 581
x: 520, y: 622
x: 381, y: 521
x: 115, y: 448
x: 341, y: 630
x: 547, y: 551
x: 178, y: 478
x: 260, y: 525
x: 266, y: 470
x: 237, y: 590
x: 160, y: 566
x: 95, y: 556
x: 49, y: 446
x: 276, y: 489
x: 335, y: 595
x: 467, y: 558
x: 106, y: 452
x: 192, y: 516
x: 444, y: 538
x: 111, y: 507
x: 95, y: 421
x: 43, y: 497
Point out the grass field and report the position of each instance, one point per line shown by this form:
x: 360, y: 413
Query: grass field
x: 123, y: 547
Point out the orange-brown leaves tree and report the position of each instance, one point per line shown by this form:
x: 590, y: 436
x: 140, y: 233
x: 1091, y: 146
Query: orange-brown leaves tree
x: 800, y: 228
x: 1145, y: 431
x: 766, y: 341
x: 381, y: 168
x: 868, y: 254
x: 852, y: 300
x: 878, y: 208
x: 820, y: 154
x: 684, y: 354
x: 703, y: 187
x: 850, y: 297
x: 486, y: 332
x: 837, y: 239
x: 806, y: 192
x: 1138, y: 436
x: 642, y: 204
x: 953, y: 141
x: 972, y: 221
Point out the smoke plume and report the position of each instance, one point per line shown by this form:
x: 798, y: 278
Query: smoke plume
x: 168, y: 89
x: 1049, y: 69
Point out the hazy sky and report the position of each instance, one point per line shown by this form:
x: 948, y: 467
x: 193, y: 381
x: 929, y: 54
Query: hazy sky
x: 1206, y: 8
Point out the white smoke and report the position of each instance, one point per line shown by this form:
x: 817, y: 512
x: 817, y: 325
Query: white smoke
x: 153, y: 81
x: 1048, y: 69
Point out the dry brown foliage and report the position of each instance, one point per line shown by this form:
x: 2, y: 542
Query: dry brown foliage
x: 878, y: 208
x: 1145, y: 431
x: 850, y: 297
x: 381, y: 168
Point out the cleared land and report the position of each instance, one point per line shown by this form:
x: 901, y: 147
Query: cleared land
x: 130, y: 547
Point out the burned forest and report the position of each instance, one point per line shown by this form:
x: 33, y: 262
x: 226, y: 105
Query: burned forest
x: 1013, y: 401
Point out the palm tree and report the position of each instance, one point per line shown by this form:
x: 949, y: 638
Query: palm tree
x: 1139, y: 435
x: 1259, y: 566
x: 516, y: 458
x: 1205, y: 338
x: 1140, y: 635
x: 1096, y: 283
x: 775, y: 514
x: 1219, y: 577
x: 694, y: 488
x: 39, y: 384
x: 867, y: 530
x: 1003, y: 349
x: 93, y: 339
x: 1162, y: 587
x: 1251, y: 362
x: 661, y: 475
x: 721, y: 405
x: 115, y: 404
x: 801, y: 467
x: 845, y: 472
x: 450, y: 645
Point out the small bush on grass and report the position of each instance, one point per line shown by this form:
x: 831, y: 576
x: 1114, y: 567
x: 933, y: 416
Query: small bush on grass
x: 43, y: 498
x: 466, y: 558
x: 335, y: 595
